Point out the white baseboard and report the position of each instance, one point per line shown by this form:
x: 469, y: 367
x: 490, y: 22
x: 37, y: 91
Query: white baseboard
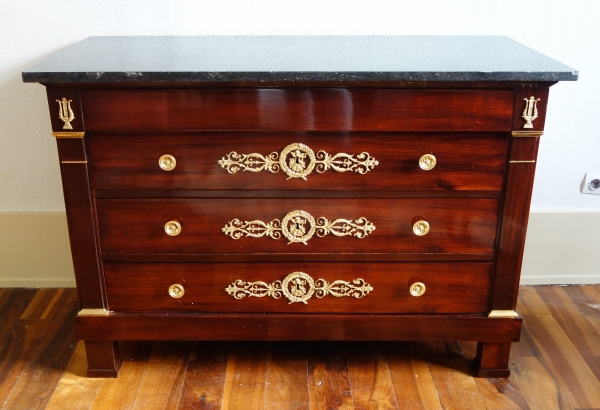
x: 35, y: 250
x: 561, y: 248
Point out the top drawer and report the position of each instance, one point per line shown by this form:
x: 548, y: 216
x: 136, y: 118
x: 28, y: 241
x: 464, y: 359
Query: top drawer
x: 297, y: 109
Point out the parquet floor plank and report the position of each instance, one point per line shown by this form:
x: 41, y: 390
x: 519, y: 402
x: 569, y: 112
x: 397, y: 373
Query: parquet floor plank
x: 455, y: 385
x: 51, y: 345
x: 532, y: 301
x: 121, y: 393
x: 576, y: 326
x: 566, y: 363
x: 15, y: 302
x: 370, y: 378
x: 16, y: 339
x: 4, y: 297
x: 524, y: 347
x: 205, y: 377
x: 74, y: 390
x: 413, y: 385
x: 501, y: 394
x: 451, y: 374
x: 542, y: 391
x: 587, y: 300
x: 160, y: 387
x: 246, y: 377
x: 287, y: 376
x: 328, y: 378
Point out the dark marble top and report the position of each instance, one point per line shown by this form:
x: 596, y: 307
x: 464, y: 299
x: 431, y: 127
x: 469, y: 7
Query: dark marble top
x: 297, y: 58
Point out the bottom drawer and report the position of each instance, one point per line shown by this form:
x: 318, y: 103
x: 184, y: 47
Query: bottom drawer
x: 299, y: 287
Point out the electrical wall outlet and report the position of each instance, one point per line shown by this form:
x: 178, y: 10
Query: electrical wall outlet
x: 591, y: 183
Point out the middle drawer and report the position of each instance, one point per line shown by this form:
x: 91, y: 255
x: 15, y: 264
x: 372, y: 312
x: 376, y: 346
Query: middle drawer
x: 298, y: 226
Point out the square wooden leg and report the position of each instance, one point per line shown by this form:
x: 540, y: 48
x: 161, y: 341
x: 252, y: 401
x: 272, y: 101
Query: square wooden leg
x: 103, y: 358
x: 492, y: 359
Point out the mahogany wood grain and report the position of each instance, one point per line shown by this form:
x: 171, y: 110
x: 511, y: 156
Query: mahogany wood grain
x: 524, y: 149
x: 514, y: 218
x: 82, y: 225
x: 456, y: 225
x: 450, y: 287
x: 103, y: 358
x: 291, y: 257
x: 274, y: 193
x: 71, y: 149
x: 155, y: 326
x: 125, y: 161
x: 492, y: 359
x: 297, y: 109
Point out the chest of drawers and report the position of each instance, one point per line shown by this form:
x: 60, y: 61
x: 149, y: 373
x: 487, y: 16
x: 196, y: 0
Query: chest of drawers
x: 344, y: 201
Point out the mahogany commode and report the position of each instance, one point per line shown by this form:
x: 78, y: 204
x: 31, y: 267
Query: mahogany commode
x: 298, y: 188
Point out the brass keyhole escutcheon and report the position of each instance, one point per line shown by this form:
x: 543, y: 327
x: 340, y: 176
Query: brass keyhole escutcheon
x: 176, y: 291
x: 173, y: 228
x: 421, y: 228
x: 427, y: 162
x: 417, y: 289
x: 167, y: 162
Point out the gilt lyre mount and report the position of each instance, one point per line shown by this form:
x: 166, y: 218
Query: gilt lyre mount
x: 65, y: 113
x: 530, y: 111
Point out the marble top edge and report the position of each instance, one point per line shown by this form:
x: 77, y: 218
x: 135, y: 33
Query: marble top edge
x: 297, y: 58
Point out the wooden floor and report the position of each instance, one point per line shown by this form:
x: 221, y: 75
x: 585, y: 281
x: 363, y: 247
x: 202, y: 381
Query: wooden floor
x: 556, y: 365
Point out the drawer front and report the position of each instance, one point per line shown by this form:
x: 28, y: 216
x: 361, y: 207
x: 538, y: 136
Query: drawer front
x: 334, y: 225
x: 297, y: 161
x: 262, y: 287
x: 297, y: 109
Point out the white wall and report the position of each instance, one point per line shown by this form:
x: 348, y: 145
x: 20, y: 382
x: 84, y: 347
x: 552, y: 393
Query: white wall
x: 567, y: 30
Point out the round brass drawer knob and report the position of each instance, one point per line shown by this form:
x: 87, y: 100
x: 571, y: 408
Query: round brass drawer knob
x: 421, y: 228
x: 173, y: 228
x: 417, y: 289
x: 167, y: 162
x: 176, y: 291
x: 427, y: 162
